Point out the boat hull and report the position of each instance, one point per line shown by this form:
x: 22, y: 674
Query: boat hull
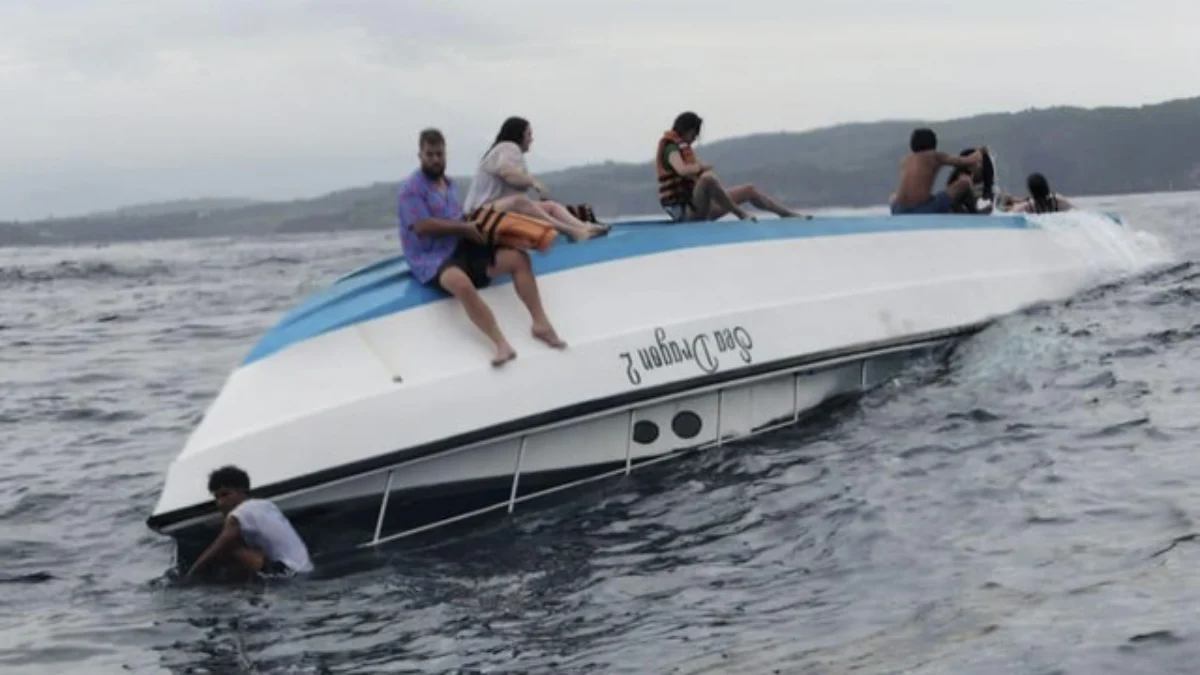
x: 378, y: 387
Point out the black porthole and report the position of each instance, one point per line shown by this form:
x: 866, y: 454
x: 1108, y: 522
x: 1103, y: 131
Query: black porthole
x: 645, y: 432
x: 686, y: 424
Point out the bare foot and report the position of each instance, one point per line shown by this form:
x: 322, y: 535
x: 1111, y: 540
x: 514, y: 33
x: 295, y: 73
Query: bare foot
x: 504, y: 354
x: 582, y: 235
x: 546, y: 334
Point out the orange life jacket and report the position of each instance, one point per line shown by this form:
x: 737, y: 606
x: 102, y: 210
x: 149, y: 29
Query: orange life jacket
x: 672, y: 188
x: 514, y: 230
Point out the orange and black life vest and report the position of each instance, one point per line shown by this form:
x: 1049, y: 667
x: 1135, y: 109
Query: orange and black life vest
x: 672, y: 188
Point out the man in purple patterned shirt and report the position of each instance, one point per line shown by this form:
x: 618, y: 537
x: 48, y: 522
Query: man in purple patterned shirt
x: 442, y: 248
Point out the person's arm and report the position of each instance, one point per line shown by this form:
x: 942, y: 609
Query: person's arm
x: 514, y: 176
x: 414, y: 210
x: 230, y: 535
x: 957, y: 162
x: 1063, y: 203
x: 506, y: 159
x: 675, y: 159
x: 432, y: 227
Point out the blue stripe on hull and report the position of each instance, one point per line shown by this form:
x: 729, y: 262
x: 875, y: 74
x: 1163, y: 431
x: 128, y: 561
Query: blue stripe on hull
x: 386, y: 287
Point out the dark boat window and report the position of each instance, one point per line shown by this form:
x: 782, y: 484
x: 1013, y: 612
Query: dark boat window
x: 645, y: 432
x: 686, y: 424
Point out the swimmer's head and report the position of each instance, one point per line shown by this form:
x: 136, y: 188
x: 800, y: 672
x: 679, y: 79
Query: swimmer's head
x: 1039, y: 188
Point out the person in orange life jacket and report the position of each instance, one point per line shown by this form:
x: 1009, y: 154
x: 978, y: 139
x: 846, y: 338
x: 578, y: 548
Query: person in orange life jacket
x: 445, y: 250
x: 503, y: 179
x: 689, y: 190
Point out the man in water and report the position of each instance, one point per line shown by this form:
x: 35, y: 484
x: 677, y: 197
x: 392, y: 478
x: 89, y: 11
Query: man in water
x: 444, y: 249
x: 256, y: 538
x: 689, y: 190
x: 920, y: 168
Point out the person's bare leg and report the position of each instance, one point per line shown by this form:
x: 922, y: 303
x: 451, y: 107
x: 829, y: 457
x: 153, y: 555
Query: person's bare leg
x: 526, y: 206
x: 711, y: 194
x: 517, y: 264
x: 559, y: 211
x: 959, y: 188
x: 761, y: 200
x: 456, y: 283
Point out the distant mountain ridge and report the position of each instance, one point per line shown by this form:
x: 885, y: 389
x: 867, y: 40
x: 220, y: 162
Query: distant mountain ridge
x: 1082, y: 151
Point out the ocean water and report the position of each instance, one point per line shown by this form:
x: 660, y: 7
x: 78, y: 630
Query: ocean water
x: 1029, y: 506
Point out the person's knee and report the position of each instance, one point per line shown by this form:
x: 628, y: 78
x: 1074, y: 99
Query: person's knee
x: 960, y: 186
x: 251, y: 559
x: 512, y: 260
x: 523, y: 203
x: 707, y: 180
x: 455, y: 281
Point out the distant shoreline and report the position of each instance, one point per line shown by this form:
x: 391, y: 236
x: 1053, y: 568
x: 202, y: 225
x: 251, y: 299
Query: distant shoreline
x: 100, y: 240
x: 1084, y: 152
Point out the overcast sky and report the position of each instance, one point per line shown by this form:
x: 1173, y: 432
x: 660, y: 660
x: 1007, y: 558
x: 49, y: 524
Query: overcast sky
x: 110, y: 102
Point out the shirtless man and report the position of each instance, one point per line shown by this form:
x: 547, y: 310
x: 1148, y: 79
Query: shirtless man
x: 917, y: 173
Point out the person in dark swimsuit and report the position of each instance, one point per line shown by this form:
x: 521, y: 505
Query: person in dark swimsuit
x: 1041, y: 199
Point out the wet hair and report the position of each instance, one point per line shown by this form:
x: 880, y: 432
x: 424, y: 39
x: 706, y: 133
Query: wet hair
x: 228, y: 477
x: 986, y: 179
x: 513, y: 131
x: 922, y: 139
x: 687, y: 121
x: 431, y: 137
x: 1039, y: 190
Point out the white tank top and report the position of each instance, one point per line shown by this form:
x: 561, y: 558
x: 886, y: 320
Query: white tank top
x: 266, y: 528
x: 487, y: 185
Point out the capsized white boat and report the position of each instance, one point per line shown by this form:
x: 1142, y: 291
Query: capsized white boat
x: 377, y: 391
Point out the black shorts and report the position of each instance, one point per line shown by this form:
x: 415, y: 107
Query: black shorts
x: 473, y: 259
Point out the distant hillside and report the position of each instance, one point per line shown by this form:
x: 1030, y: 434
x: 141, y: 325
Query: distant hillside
x: 203, y: 204
x: 1082, y: 151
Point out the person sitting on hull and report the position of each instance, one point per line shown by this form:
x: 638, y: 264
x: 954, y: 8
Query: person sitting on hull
x: 689, y: 190
x: 983, y: 181
x: 503, y: 178
x: 1041, y: 199
x: 445, y: 250
x: 256, y: 538
x: 920, y: 168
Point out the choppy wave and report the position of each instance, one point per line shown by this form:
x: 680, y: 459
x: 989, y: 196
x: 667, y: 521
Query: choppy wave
x: 1026, y: 505
x: 75, y: 270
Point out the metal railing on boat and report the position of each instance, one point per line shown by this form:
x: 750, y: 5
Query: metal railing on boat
x: 514, y: 499
x: 861, y: 360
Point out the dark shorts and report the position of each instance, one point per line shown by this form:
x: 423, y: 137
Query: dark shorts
x: 938, y: 203
x: 473, y: 259
x: 680, y: 213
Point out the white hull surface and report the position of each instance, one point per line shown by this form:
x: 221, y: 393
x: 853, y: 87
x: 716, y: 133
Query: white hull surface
x: 680, y: 337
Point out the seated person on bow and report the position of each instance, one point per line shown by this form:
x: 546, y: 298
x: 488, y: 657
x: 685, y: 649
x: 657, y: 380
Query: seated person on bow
x: 502, y: 180
x: 1041, y: 199
x: 461, y: 256
x: 920, y: 168
x: 983, y: 179
x: 688, y: 190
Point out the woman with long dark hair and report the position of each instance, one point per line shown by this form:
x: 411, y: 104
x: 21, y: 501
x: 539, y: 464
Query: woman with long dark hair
x: 503, y: 179
x: 1041, y: 199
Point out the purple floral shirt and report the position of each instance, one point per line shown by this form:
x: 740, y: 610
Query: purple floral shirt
x: 420, y: 199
